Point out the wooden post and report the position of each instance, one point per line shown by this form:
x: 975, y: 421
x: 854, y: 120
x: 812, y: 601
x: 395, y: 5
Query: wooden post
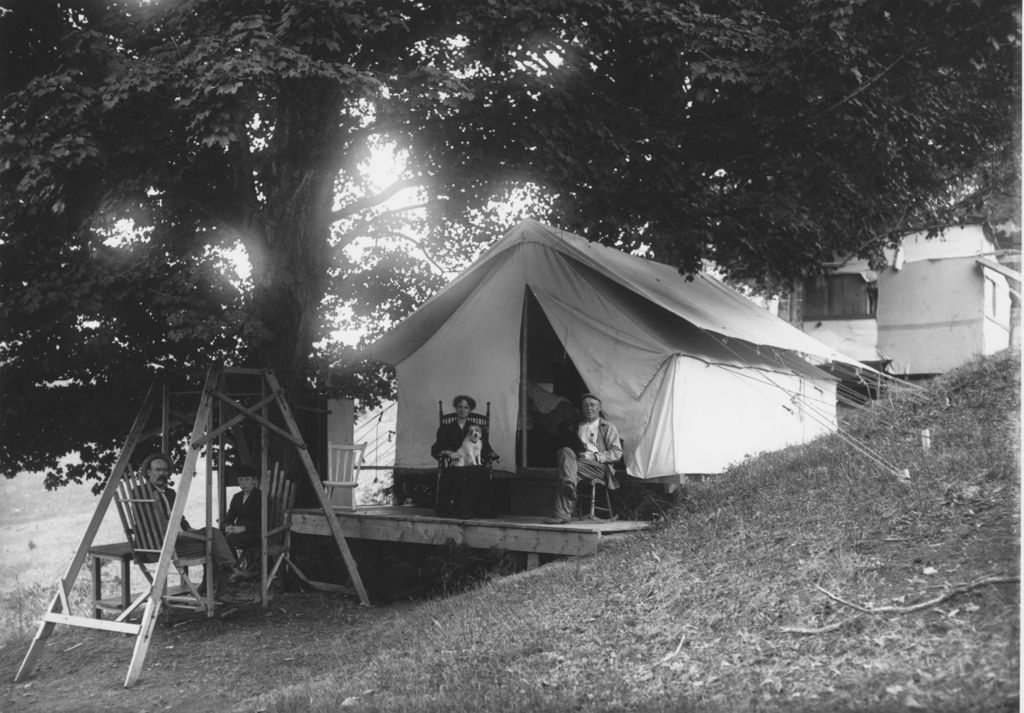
x: 222, y: 480
x: 156, y: 587
x: 318, y: 489
x: 523, y: 375
x: 210, y: 567
x: 264, y: 484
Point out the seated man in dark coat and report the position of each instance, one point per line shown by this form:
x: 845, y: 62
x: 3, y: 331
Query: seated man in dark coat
x: 242, y: 522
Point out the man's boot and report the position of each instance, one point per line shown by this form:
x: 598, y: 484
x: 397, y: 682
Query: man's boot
x: 220, y: 581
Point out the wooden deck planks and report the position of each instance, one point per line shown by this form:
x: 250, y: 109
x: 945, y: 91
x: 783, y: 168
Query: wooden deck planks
x: 516, y: 533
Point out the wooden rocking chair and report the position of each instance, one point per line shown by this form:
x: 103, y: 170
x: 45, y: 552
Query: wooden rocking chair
x: 145, y: 522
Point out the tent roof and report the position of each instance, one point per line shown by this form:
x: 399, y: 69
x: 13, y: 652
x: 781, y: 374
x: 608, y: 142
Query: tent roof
x: 704, y: 302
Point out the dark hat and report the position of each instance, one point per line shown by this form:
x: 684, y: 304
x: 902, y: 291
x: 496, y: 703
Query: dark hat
x: 589, y: 395
x: 246, y: 471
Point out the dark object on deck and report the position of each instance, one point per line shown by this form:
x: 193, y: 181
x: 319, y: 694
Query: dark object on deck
x: 464, y: 491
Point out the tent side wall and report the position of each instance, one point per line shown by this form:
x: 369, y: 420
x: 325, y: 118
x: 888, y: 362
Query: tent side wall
x: 474, y: 352
x: 722, y: 414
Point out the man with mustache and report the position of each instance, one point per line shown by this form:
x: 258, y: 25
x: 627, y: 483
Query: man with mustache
x: 157, y: 469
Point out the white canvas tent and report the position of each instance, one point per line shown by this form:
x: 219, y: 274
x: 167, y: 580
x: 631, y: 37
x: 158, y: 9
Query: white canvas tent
x: 694, y: 375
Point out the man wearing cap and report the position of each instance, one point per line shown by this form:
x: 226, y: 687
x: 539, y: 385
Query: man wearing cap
x: 589, y: 448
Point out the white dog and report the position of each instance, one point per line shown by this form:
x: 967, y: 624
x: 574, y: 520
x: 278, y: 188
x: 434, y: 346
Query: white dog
x: 472, y: 445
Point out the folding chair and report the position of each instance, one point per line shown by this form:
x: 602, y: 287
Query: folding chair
x: 144, y: 517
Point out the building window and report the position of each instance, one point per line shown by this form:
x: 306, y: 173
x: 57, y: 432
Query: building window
x: 993, y: 299
x: 841, y: 296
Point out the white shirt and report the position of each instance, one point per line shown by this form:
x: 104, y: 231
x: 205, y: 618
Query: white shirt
x: 588, y: 432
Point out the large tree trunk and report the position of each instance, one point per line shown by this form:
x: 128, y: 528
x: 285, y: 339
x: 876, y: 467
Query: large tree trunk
x: 291, y: 256
x: 291, y: 277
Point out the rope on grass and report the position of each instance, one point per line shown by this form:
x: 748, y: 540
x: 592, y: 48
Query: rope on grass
x: 861, y: 609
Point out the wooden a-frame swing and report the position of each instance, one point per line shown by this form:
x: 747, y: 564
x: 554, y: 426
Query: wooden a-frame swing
x: 205, y: 436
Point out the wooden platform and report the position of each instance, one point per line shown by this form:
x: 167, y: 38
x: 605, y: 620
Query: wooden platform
x: 515, y: 533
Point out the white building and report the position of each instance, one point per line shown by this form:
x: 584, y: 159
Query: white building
x: 938, y: 303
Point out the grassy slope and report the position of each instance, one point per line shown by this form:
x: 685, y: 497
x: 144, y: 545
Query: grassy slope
x: 693, y: 614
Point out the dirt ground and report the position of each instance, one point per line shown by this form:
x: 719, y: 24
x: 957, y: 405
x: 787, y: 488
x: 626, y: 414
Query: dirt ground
x: 194, y: 664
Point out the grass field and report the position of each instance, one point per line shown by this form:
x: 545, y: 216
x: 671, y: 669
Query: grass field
x: 39, y: 532
x: 805, y: 580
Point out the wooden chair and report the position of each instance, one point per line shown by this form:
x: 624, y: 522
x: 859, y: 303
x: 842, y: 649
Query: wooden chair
x: 480, y: 419
x: 345, y: 462
x: 275, y: 530
x: 590, y: 497
x: 144, y: 517
x: 278, y: 495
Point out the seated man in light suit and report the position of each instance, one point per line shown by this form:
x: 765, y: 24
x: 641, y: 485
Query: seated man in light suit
x: 589, y: 448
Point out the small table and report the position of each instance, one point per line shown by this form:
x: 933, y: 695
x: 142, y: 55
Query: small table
x: 116, y: 551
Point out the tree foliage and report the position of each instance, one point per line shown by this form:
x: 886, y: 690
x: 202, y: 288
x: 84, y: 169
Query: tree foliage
x: 141, y: 142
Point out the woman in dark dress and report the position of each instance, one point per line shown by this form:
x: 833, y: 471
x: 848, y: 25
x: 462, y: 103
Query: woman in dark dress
x: 451, y: 435
x: 461, y: 491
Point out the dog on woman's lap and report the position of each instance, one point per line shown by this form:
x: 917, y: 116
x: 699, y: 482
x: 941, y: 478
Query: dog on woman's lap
x: 471, y: 449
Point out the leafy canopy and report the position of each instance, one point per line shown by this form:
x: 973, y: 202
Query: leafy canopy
x: 141, y: 144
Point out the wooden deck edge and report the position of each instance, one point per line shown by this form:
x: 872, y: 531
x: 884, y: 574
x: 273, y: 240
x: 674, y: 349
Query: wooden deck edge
x: 578, y: 538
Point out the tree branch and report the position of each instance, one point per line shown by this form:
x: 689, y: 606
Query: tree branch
x: 365, y: 202
x: 949, y: 594
x: 861, y: 609
x: 808, y: 118
x: 363, y: 227
x: 419, y: 244
x: 865, y: 86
